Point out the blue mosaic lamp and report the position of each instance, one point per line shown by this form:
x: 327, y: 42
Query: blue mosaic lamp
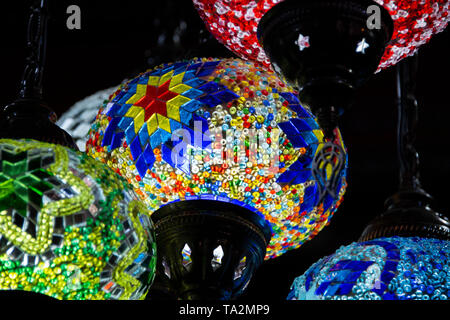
x: 404, y: 253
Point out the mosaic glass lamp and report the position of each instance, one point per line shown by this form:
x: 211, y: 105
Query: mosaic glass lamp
x: 234, y: 23
x: 221, y: 152
x: 77, y: 120
x: 70, y: 228
x: 404, y: 253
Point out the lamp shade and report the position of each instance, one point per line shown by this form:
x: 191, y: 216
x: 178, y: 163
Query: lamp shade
x: 70, y: 228
x: 235, y: 22
x: 223, y: 130
x: 395, y: 268
x: 78, y: 119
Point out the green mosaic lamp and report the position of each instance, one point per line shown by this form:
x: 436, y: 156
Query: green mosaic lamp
x: 70, y: 228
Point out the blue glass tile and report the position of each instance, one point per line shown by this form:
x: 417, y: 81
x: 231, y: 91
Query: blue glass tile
x: 112, y: 111
x: 192, y: 105
x: 141, y: 166
x: 390, y: 265
x: 331, y: 290
x: 204, y: 123
x: 210, y: 100
x: 207, y: 197
x: 393, y: 255
x: 308, y: 280
x: 309, y: 137
x: 296, y: 166
x: 129, y: 133
x: 323, y: 286
x: 125, y: 97
x: 301, y: 112
x: 327, y: 202
x: 165, y: 136
x: 310, y: 200
x: 203, y: 72
x: 167, y: 69
x: 135, y: 148
x: 206, y: 143
x: 288, y: 128
x: 149, y: 156
x: 185, y: 116
x: 143, y: 134
x: 353, y: 276
x: 192, y: 93
x: 191, y: 197
x: 209, y: 87
x: 143, y: 79
x: 133, y: 81
x: 290, y: 97
x: 110, y: 129
x: 155, y: 139
x: 166, y: 154
x: 156, y: 72
x: 194, y: 66
x: 298, y: 141
x: 190, y: 135
x: 387, y: 276
x: 119, y: 95
x: 174, y: 125
x: 286, y: 176
x: 195, y: 82
x: 188, y: 75
x: 122, y: 110
x: 389, y: 296
x: 140, y: 257
x: 124, y: 123
x: 312, y: 123
x: 345, y: 289
x: 340, y: 265
x: 223, y: 199
x: 359, y: 265
x: 211, y: 64
x: 302, y: 176
x: 117, y: 140
x: 300, y: 125
x: 226, y: 96
x: 179, y: 68
x: 411, y: 256
x: 341, y: 276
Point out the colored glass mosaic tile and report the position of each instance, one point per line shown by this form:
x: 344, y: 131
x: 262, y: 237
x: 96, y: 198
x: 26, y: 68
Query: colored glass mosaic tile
x: 236, y: 139
x: 70, y: 228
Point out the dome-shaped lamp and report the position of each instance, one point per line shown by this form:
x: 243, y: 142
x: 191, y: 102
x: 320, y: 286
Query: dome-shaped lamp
x: 221, y: 151
x: 29, y: 117
x: 70, y: 228
x: 402, y: 254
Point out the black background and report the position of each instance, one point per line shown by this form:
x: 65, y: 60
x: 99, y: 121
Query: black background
x: 119, y: 39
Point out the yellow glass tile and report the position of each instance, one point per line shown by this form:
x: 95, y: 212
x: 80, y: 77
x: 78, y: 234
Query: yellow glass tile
x: 141, y: 90
x: 153, y: 81
x: 139, y: 121
x: 319, y: 135
x: 180, y: 88
x: 173, y: 112
x: 152, y: 124
x: 133, y: 112
x: 176, y: 80
x: 163, y: 123
x: 178, y: 101
x: 164, y: 78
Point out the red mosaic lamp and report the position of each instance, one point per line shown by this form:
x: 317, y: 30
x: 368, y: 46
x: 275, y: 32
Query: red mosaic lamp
x: 234, y: 23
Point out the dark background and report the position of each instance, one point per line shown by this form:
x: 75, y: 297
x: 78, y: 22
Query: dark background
x: 119, y: 39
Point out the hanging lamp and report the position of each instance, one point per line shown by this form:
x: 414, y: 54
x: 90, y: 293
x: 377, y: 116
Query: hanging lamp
x: 404, y: 253
x: 221, y: 152
x: 70, y: 228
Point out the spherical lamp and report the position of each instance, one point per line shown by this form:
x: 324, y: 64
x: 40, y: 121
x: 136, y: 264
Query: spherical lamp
x: 221, y: 152
x: 70, y: 228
